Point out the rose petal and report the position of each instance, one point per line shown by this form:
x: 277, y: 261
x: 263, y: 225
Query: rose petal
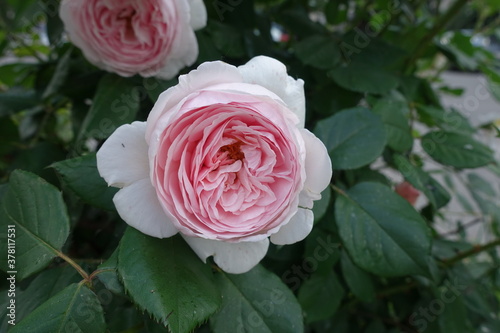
x: 272, y: 74
x: 138, y: 205
x: 296, y: 230
x: 198, y: 14
x: 234, y: 258
x: 318, y: 166
x: 205, y: 75
x: 184, y: 53
x: 123, y: 158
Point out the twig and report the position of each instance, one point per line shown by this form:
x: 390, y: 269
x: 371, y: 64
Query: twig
x: 75, y: 266
x: 427, y: 39
x: 475, y: 250
x: 466, y: 225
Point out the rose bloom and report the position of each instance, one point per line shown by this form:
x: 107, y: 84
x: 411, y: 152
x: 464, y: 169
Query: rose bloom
x: 128, y: 37
x: 407, y: 191
x: 225, y: 160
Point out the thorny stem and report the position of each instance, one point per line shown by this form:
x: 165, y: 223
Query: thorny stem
x: 99, y: 271
x: 440, y: 24
x: 475, y: 250
x: 75, y: 266
x: 464, y: 226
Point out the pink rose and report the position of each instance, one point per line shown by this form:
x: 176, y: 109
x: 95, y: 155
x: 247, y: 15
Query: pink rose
x: 407, y: 191
x: 128, y: 37
x: 225, y: 160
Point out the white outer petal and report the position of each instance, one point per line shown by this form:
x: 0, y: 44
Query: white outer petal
x: 185, y: 46
x: 318, y: 168
x: 138, y: 206
x: 206, y: 75
x: 123, y: 158
x: 66, y: 14
x: 271, y: 74
x: 296, y: 230
x: 234, y: 258
x: 198, y: 14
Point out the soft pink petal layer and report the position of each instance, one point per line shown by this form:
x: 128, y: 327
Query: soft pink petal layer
x: 214, y: 196
x: 318, y: 168
x: 123, y: 158
x: 234, y: 258
x: 138, y: 205
x: 207, y: 74
x: 296, y: 230
x: 146, y: 37
x: 272, y: 74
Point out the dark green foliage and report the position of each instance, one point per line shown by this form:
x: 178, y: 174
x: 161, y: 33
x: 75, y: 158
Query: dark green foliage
x: 373, y: 263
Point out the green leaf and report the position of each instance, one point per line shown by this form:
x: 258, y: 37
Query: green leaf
x: 320, y: 255
x: 485, y: 196
x: 393, y: 113
x: 59, y: 76
x: 227, y: 39
x: 256, y: 301
x: 364, y: 78
x: 448, y: 120
x: 108, y: 274
x: 460, y: 49
x: 80, y: 174
x: 75, y: 309
x: 55, y: 26
x: 493, y: 77
x: 453, y: 316
x: 39, y: 215
x: 354, y: 137
x: 45, y: 285
x: 320, y: 296
x: 116, y: 102
x: 376, y: 326
x: 422, y: 181
x: 17, y: 99
x: 154, y: 86
x: 321, y: 206
x: 336, y: 11
x: 456, y: 150
x: 382, y: 232
x: 359, y: 281
x: 207, y: 49
x: 318, y: 51
x: 296, y: 20
x: 480, y: 185
x: 165, y: 278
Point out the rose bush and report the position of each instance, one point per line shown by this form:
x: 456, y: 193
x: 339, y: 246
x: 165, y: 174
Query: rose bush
x: 225, y: 160
x: 146, y: 37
